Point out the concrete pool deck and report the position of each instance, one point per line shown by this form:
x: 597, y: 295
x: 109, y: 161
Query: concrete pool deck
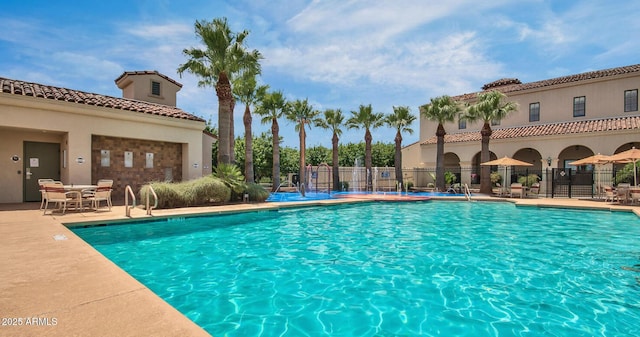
x: 52, y: 283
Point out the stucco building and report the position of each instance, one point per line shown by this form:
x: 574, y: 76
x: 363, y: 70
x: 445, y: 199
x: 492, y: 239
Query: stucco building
x: 80, y: 137
x: 558, y: 120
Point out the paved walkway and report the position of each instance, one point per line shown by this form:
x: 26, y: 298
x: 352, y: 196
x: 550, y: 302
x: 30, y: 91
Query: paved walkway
x: 52, y: 283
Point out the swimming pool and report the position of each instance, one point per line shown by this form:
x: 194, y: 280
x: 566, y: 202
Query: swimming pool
x: 441, y: 268
x: 310, y: 196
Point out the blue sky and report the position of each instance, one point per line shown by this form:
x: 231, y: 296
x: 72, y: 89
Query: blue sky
x: 338, y: 54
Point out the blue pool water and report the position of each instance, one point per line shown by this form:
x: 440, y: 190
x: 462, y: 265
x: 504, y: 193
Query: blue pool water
x: 438, y: 268
x: 309, y: 196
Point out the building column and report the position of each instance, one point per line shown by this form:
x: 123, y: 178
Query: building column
x: 465, y: 173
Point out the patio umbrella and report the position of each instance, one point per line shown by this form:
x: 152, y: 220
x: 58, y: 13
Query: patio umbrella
x: 631, y: 155
x: 505, y: 161
x: 597, y: 160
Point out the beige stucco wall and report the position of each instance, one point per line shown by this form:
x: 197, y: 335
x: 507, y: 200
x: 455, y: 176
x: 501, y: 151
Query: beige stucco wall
x: 72, y: 125
x: 417, y: 155
x: 604, y: 98
x: 138, y: 87
x: 207, y: 146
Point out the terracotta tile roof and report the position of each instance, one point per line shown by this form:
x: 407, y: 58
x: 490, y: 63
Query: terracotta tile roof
x: 15, y: 87
x: 148, y: 72
x: 512, y: 85
x: 563, y: 128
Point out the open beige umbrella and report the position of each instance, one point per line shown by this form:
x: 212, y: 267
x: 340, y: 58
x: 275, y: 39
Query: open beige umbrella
x: 505, y: 161
x: 630, y: 156
x: 597, y: 160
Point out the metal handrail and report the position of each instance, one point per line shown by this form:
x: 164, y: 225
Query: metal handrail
x: 467, y: 192
x: 129, y: 191
x: 155, y: 196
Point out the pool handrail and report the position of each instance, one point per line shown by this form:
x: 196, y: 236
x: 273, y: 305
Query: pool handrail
x: 155, y: 204
x: 467, y: 192
x: 129, y: 191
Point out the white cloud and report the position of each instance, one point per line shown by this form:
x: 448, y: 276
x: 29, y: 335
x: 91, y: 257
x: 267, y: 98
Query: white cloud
x: 162, y: 31
x: 85, y: 66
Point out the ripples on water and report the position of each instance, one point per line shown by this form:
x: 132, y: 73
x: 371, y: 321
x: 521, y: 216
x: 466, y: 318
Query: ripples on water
x: 391, y: 269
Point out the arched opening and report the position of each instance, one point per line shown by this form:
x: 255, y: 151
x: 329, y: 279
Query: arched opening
x: 476, y: 168
x: 572, y: 153
x: 527, y: 175
x: 452, y: 164
x: 626, y: 172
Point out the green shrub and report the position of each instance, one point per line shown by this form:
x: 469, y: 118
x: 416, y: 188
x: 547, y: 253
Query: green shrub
x: 450, y: 177
x: 625, y: 175
x: 257, y: 192
x: 197, y: 192
x: 496, y: 178
x: 528, y: 180
x: 168, y: 195
x: 344, y: 185
x: 231, y: 176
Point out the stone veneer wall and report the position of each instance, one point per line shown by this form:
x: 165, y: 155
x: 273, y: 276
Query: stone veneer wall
x: 165, y: 156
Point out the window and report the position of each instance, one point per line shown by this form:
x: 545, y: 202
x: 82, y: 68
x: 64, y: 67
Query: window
x: 631, y: 100
x: 534, y: 112
x: 462, y: 124
x: 155, y: 88
x: 495, y: 122
x: 578, y: 106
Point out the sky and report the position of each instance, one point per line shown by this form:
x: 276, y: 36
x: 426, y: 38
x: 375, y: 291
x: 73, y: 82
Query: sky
x: 338, y: 54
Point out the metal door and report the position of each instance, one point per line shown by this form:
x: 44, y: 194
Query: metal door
x: 41, y: 160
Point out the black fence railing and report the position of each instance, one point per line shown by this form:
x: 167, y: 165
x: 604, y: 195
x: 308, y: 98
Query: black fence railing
x: 555, y: 182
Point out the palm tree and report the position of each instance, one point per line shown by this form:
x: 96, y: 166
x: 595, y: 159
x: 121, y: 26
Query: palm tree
x: 272, y: 106
x: 246, y: 90
x: 302, y: 113
x: 401, y: 120
x: 442, y: 109
x: 225, y: 55
x: 490, y: 106
x: 367, y: 119
x: 333, y: 120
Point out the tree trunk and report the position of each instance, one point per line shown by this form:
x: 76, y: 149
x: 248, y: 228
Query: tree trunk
x: 335, y: 164
x: 367, y: 159
x: 398, y: 158
x: 485, y: 156
x: 232, y: 134
x: 440, y: 182
x: 248, y: 143
x: 303, y: 173
x: 275, y: 171
x: 223, y: 91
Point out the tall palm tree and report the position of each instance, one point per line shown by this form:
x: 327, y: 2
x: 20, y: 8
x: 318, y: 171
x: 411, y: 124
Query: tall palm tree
x: 401, y: 120
x: 225, y: 55
x: 333, y: 120
x: 442, y: 109
x: 272, y: 106
x: 490, y: 106
x: 367, y: 119
x: 247, y: 91
x: 302, y: 113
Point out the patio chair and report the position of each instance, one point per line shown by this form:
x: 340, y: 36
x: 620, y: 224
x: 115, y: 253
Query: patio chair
x: 55, y: 192
x: 41, y: 183
x: 516, y: 189
x: 623, y: 192
x: 535, y: 189
x: 610, y: 194
x: 101, y: 193
x: 634, y: 194
x: 497, y: 190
